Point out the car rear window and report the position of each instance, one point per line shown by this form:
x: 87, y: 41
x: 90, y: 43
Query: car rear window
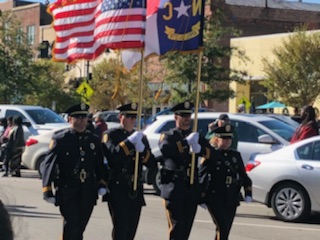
x: 43, y: 116
x: 283, y: 130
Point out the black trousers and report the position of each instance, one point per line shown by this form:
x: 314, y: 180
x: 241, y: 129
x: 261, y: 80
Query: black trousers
x: 76, y: 216
x: 222, y: 212
x: 180, y: 216
x: 125, y: 218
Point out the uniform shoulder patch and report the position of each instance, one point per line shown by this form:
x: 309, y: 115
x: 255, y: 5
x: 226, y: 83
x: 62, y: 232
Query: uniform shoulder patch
x: 162, y: 136
x: 105, y: 138
x: 51, y: 144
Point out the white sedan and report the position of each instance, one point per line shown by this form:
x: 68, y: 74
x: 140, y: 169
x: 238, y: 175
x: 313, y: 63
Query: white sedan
x: 287, y: 180
x: 37, y: 147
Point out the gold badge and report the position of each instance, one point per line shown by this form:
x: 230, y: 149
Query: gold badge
x: 228, y: 128
x: 105, y: 138
x: 92, y: 146
x: 134, y: 106
x: 186, y: 105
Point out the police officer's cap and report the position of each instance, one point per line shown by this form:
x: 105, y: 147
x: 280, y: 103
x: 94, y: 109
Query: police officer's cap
x: 223, y: 132
x: 78, y: 110
x: 129, y: 109
x: 183, y: 108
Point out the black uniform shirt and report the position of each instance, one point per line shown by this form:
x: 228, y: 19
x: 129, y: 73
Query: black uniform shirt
x: 74, y: 161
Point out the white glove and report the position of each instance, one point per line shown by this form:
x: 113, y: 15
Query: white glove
x: 139, y: 146
x: 204, y: 206
x: 192, y: 138
x: 248, y: 199
x: 51, y: 200
x: 195, y: 148
x: 135, y: 137
x: 102, y: 191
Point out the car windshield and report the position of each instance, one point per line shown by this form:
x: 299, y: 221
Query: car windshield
x: 43, y: 116
x: 283, y: 130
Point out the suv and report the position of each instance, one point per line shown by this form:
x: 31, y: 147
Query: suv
x: 256, y: 134
x: 36, y: 119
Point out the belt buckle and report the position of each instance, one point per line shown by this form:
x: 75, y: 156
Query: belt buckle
x: 83, y: 175
x: 228, y: 180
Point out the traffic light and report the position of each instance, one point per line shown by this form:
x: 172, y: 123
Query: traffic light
x: 44, y: 49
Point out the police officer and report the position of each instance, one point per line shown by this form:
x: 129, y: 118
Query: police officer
x: 74, y: 164
x: 120, y: 147
x: 222, y: 176
x: 181, y: 198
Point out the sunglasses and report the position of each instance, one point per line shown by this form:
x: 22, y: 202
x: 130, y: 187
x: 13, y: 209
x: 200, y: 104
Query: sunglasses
x: 130, y: 115
x: 185, y: 115
x: 80, y: 116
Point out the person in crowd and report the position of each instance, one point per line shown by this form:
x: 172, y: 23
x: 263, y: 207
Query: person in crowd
x: 6, y: 230
x: 241, y: 108
x: 3, y: 141
x: 181, y: 195
x: 296, y: 115
x: 5, y: 136
x: 221, y: 177
x: 74, y: 165
x: 14, y: 148
x: 100, y: 125
x: 121, y: 146
x: 308, y: 127
x: 222, y: 120
x: 4, y: 124
x: 90, y: 125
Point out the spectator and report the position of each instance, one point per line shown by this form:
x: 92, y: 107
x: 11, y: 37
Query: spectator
x: 308, y: 127
x: 296, y: 115
x: 241, y: 108
x: 100, y: 125
x: 15, y: 148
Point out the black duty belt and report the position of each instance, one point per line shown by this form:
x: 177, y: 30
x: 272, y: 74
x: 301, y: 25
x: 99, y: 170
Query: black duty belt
x: 82, y: 175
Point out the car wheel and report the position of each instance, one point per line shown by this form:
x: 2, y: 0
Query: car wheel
x: 157, y: 183
x: 290, y: 203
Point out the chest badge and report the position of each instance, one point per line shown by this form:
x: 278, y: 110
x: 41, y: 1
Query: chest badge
x: 92, y: 146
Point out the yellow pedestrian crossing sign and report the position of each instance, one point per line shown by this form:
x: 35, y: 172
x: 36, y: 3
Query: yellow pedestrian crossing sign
x: 85, y: 91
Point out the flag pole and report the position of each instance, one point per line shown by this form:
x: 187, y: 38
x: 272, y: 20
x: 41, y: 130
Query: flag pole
x: 196, y: 108
x: 136, y: 163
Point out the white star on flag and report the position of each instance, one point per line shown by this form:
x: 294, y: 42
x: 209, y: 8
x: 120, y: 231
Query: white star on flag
x: 182, y: 10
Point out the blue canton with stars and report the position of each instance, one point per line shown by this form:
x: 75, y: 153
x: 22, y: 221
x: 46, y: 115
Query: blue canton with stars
x: 108, y: 5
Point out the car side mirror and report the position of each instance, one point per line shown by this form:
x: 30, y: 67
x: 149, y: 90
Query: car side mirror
x: 266, y: 138
x: 28, y: 124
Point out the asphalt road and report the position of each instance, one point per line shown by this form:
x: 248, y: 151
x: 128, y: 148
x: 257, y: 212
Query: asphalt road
x: 34, y: 219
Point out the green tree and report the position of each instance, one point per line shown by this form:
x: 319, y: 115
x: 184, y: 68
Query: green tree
x: 294, y: 75
x: 49, y: 86
x: 215, y: 73
x: 15, y: 64
x: 114, y: 86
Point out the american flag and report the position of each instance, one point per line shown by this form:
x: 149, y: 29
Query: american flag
x: 85, y: 28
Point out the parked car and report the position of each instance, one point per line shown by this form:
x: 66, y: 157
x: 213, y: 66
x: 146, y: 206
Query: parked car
x: 37, y: 147
x: 256, y: 133
x: 285, y: 119
x: 168, y: 111
x: 287, y: 180
x: 35, y: 119
x: 111, y: 118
